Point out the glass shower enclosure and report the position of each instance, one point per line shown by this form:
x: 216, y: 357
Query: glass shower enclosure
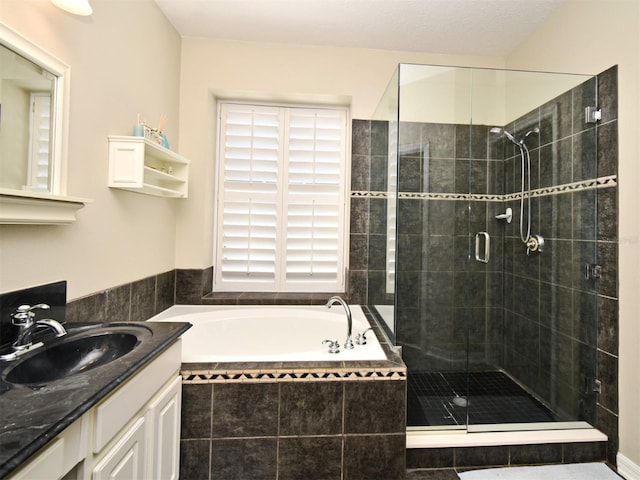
x: 490, y: 246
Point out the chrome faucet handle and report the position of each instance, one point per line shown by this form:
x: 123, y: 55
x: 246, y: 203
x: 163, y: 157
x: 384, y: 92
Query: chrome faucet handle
x: 24, y: 314
x: 361, y: 339
x: 334, y: 346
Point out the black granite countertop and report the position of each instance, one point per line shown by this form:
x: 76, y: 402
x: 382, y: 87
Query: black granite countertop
x: 32, y: 415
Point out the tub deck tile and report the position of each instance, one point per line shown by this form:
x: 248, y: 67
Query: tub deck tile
x: 393, y: 368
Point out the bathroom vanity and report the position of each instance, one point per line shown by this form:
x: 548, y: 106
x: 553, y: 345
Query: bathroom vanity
x: 119, y: 420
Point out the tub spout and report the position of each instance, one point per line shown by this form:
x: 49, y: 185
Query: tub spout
x: 348, y: 344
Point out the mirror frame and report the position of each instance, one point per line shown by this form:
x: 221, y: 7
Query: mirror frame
x: 24, y: 207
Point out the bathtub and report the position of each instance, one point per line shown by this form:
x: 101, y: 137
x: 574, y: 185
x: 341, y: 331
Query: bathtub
x: 269, y: 333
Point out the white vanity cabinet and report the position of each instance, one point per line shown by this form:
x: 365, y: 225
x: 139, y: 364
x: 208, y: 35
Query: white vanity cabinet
x: 149, y: 447
x: 140, y: 165
x: 133, y: 433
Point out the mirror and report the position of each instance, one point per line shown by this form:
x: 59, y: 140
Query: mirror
x: 26, y: 90
x: 32, y: 117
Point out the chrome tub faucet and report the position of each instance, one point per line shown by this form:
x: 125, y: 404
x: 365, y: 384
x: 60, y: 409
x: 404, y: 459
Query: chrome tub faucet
x: 348, y: 344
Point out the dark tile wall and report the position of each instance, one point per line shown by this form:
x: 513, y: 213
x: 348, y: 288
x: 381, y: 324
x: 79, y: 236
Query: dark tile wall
x: 560, y: 328
x: 133, y: 302
x: 192, y: 285
x: 140, y: 300
x: 505, y: 455
x: 550, y: 307
x: 293, y: 430
x: 368, y: 227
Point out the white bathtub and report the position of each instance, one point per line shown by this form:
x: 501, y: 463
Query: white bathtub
x: 268, y: 333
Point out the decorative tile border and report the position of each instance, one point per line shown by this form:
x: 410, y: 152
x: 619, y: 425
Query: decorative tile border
x: 368, y: 194
x: 601, y: 182
x: 292, y: 375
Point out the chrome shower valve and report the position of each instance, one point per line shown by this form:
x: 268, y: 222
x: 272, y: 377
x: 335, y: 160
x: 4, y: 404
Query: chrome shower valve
x: 535, y: 244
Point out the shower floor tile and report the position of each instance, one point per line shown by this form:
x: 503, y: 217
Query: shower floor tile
x: 440, y: 398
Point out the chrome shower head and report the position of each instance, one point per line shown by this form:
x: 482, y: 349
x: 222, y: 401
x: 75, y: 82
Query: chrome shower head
x: 502, y: 131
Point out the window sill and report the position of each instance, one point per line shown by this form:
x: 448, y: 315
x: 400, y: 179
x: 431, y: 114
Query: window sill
x: 267, y: 298
x: 32, y: 208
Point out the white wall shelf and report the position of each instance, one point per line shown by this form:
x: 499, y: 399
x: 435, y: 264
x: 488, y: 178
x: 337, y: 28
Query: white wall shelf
x: 139, y: 165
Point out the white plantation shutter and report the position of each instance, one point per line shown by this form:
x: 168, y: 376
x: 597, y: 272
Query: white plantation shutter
x: 392, y: 188
x: 282, y: 198
x: 314, y: 196
x: 39, y: 141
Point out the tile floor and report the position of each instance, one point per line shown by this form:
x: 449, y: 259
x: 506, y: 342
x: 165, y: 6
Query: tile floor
x: 440, y: 398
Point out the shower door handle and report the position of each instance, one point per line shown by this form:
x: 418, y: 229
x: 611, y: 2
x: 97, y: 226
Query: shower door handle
x: 487, y: 247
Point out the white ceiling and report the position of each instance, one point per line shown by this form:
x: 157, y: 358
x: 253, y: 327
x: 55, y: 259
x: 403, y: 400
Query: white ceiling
x: 463, y: 27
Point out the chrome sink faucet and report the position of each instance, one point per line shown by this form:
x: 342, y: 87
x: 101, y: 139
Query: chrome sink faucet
x: 348, y: 344
x: 24, y: 317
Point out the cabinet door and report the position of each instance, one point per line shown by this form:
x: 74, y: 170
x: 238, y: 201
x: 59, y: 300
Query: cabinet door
x: 164, y: 415
x: 126, y: 459
x: 47, y: 464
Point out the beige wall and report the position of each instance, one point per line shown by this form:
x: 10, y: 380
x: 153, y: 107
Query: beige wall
x: 589, y: 36
x: 267, y: 71
x: 124, y: 59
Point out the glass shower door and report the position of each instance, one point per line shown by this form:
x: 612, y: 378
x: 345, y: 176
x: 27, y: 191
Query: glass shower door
x: 496, y: 335
x: 540, y: 308
x: 434, y: 243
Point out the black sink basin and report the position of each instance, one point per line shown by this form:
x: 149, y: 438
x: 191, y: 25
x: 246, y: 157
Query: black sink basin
x: 74, y: 354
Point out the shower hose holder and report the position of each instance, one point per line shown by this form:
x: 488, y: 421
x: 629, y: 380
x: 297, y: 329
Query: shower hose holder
x: 507, y: 215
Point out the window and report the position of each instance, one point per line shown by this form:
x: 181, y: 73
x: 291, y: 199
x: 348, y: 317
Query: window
x: 281, y: 193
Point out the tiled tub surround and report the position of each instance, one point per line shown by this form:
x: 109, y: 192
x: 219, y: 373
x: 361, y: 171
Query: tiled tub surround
x: 330, y: 420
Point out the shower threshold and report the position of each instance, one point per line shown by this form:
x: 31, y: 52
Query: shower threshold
x: 582, y: 432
